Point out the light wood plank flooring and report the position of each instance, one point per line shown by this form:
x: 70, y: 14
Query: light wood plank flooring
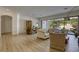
x: 21, y: 43
x: 29, y: 43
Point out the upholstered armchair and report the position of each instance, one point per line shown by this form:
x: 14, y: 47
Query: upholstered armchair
x: 42, y: 34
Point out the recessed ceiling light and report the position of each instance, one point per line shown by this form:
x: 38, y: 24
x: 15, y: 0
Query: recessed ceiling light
x: 65, y: 8
x: 7, y: 9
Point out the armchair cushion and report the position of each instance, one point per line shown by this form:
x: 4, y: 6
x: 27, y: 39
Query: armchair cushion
x: 42, y: 34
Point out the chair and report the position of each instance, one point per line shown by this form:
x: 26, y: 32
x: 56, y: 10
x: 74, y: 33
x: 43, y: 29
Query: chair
x: 42, y: 34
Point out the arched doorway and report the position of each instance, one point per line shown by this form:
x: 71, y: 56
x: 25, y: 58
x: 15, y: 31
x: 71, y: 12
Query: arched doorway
x: 6, y: 24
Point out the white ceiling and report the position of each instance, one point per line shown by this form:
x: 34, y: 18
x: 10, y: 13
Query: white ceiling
x: 39, y: 11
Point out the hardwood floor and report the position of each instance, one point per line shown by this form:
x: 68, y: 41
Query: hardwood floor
x: 21, y: 43
x: 29, y: 43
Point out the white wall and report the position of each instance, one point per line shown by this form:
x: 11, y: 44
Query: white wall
x: 22, y: 28
x: 14, y: 19
x: 18, y: 24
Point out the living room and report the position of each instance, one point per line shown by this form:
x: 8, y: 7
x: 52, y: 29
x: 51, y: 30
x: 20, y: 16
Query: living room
x: 32, y: 24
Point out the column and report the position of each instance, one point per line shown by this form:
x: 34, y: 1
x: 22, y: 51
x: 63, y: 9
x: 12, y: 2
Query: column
x: 78, y: 24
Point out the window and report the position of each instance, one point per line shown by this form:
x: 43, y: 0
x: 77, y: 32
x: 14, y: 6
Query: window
x: 45, y: 25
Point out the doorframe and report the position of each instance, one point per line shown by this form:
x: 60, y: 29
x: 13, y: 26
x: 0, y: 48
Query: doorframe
x: 1, y: 25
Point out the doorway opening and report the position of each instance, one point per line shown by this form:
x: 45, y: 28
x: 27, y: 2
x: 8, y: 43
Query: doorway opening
x: 6, y: 24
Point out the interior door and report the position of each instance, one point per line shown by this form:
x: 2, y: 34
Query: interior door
x: 29, y: 27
